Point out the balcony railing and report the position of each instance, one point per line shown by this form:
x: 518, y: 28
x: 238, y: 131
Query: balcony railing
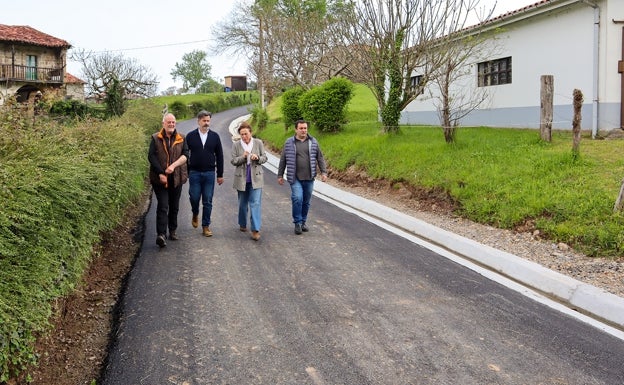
x: 30, y: 74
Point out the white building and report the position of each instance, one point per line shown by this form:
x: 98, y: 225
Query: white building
x: 579, y: 42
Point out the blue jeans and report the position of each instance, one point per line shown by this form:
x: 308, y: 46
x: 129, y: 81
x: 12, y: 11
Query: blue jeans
x: 201, y: 186
x: 250, y: 200
x: 300, y: 195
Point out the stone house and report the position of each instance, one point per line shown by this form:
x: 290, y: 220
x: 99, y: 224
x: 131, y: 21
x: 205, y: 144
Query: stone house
x: 33, y: 64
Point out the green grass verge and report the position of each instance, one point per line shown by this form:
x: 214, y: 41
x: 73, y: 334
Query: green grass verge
x: 502, y: 177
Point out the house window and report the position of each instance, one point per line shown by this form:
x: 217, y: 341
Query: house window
x: 31, y: 67
x: 495, y: 72
x: 415, y: 82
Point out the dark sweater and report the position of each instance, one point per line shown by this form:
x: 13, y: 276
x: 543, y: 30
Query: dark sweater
x: 206, y: 157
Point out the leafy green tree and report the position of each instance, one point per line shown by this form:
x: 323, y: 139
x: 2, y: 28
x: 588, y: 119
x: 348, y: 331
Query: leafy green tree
x: 193, y: 70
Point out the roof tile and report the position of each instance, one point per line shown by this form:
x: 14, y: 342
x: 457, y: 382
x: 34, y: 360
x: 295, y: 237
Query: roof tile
x: 29, y: 35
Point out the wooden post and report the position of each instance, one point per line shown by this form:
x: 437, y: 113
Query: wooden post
x: 619, y: 202
x: 621, y: 71
x: 546, y: 104
x: 577, y: 97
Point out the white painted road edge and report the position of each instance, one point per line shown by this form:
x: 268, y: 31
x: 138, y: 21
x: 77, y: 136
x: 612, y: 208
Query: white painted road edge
x: 580, y: 297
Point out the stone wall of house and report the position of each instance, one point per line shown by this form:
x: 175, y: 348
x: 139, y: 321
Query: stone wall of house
x: 46, y: 57
x: 75, y: 91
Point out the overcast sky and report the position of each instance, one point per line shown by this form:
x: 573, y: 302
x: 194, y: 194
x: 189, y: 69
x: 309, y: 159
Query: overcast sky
x: 154, y: 32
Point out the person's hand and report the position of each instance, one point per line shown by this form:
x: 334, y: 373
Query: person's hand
x: 220, y: 181
x: 324, y: 177
x: 280, y: 180
x: 169, y: 170
x: 163, y: 179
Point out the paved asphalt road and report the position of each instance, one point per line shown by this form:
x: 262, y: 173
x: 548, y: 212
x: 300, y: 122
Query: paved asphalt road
x: 346, y: 303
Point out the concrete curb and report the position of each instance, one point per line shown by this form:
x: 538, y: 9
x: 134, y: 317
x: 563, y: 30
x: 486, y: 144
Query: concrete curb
x: 585, y: 298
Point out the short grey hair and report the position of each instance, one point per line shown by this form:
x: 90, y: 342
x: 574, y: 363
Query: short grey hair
x: 203, y: 113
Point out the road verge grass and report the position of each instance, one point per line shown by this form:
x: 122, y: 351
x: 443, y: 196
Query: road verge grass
x: 503, y: 177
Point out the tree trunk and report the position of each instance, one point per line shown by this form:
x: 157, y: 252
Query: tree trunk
x: 546, y: 100
x: 449, y: 128
x: 391, y: 111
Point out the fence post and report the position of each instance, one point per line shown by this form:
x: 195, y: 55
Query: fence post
x: 619, y: 202
x: 577, y: 97
x: 546, y: 107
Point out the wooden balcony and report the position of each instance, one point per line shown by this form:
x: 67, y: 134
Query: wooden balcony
x: 11, y: 72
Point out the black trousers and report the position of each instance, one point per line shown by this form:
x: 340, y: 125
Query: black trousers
x: 167, y: 208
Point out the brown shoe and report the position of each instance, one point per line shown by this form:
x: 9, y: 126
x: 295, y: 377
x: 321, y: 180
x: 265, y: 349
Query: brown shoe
x: 173, y: 236
x: 243, y: 229
x: 207, y: 232
x: 255, y: 235
x: 195, y: 221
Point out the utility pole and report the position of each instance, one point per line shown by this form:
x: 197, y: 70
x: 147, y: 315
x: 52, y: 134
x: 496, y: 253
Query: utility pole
x: 261, y: 63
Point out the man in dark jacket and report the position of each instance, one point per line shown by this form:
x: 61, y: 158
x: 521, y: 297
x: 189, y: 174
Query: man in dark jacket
x: 167, y: 156
x: 301, y: 155
x: 205, y: 163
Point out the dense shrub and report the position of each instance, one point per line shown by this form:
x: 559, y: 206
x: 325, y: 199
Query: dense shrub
x: 72, y: 108
x: 211, y: 105
x: 179, y: 109
x: 290, y: 106
x: 260, y: 117
x: 187, y: 106
x: 195, y: 107
x: 61, y: 186
x: 325, y: 106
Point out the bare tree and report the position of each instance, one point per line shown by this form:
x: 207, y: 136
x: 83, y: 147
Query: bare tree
x: 100, y: 70
x: 399, y: 40
x: 287, y: 43
x: 452, y: 79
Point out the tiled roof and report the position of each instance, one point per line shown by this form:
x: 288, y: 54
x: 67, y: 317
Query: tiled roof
x: 69, y: 78
x: 29, y: 35
x: 520, y: 10
x: 509, y: 15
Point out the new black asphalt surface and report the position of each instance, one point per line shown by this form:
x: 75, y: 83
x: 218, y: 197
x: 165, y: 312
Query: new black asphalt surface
x: 346, y: 303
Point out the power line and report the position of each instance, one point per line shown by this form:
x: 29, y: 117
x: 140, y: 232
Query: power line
x: 153, y: 46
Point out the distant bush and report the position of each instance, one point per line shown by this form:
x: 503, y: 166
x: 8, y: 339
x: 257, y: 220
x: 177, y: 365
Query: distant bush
x: 179, y: 109
x: 187, y: 106
x: 195, y: 107
x: 260, y: 117
x: 75, y: 109
x: 290, y: 106
x: 325, y: 106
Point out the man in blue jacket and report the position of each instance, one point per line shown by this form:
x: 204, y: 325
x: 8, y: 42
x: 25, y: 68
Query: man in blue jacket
x: 302, y: 156
x: 205, y: 165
